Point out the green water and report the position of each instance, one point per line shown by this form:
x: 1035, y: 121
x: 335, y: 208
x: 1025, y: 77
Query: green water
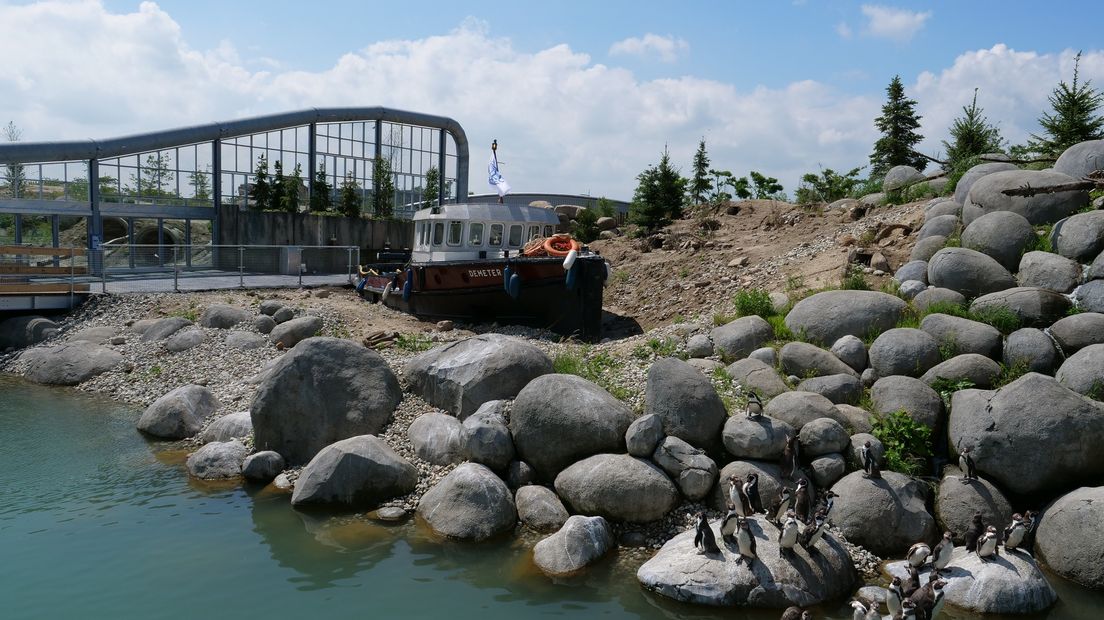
x: 97, y: 522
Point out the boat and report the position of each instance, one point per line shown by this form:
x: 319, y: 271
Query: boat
x: 482, y: 263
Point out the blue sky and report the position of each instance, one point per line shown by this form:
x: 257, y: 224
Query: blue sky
x: 582, y: 96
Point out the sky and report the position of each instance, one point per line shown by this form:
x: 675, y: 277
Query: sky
x: 581, y: 96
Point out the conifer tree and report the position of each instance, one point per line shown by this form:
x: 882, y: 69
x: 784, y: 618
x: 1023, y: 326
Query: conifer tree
x: 14, y: 173
x: 972, y: 135
x: 320, y: 199
x: 699, y: 184
x: 349, y: 202
x: 383, y: 188
x: 279, y: 187
x: 261, y: 192
x: 660, y: 195
x: 1075, y: 117
x: 292, y: 185
x: 898, y: 124
x: 431, y: 191
x: 765, y: 187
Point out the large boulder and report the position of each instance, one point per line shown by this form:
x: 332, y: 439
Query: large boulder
x: 1069, y: 539
x: 685, y: 400
x: 840, y: 389
x: 358, y: 472
x: 539, y: 508
x: 489, y: 440
x: 460, y: 376
x: 913, y: 396
x: 915, y: 269
x: 1090, y: 296
x: 218, y: 459
x: 619, y: 487
x: 1032, y: 349
x: 923, y: 251
x: 770, y: 481
x: 827, y: 469
x: 262, y: 466
x: 736, y: 339
x: 987, y: 195
x: 689, y: 467
x: 804, y: 360
x: 1046, y: 270
x: 942, y: 206
x: 185, y: 339
x: 643, y: 435
x: 885, y: 515
x: 936, y: 295
x: 471, y: 503
x: 799, y: 408
x: 758, y: 377
x: 1014, y: 431
x: 900, y: 177
x: 292, y: 332
x: 70, y: 363
x: 322, y: 391
x: 962, y: 189
x: 956, y: 503
x: 230, y: 426
x: 828, y: 316
x: 1036, y: 307
x: 160, y: 329
x: 877, y: 448
x: 580, y: 542
x: 1081, y: 159
x: 851, y: 351
x: 96, y: 335
x: 1096, y: 269
x: 559, y: 419
x: 939, y: 226
x: 1012, y: 584
x: 977, y: 369
x: 224, y: 316
x: 269, y: 307
x: 859, y: 420
x: 968, y: 271
x: 178, y: 414
x: 760, y: 437
x: 823, y: 436
x: 959, y: 335
x: 1083, y: 372
x: 1080, y: 237
x: 244, y: 341
x: 903, y: 351
x: 439, y: 439
x: 1078, y: 331
x: 23, y: 331
x: 680, y: 572
x: 1002, y: 235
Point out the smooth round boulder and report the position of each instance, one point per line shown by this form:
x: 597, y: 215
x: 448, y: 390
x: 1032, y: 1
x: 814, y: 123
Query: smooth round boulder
x: 160, y: 329
x: 827, y: 469
x: 236, y: 425
x: 799, y: 408
x: 1079, y: 237
x: 885, y: 515
x: 438, y: 439
x: 913, y: 270
x: 223, y: 316
x: 1090, y: 296
x: 1076, y: 516
x: 851, y: 351
x: 558, y: 419
x: 178, y: 414
x: 830, y: 315
x: 644, y: 435
x: 70, y: 363
x: 269, y: 307
x: 923, y: 251
x: 956, y: 503
x: 292, y: 332
x: 770, y: 481
x: 1034, y: 307
x: 958, y: 335
x: 1078, y: 331
x: 767, y: 355
x: 358, y: 472
x: 859, y: 420
x: 1002, y: 235
x: 935, y: 295
x: 756, y: 376
x: 1031, y: 348
x: 1096, y: 269
x: 322, y: 391
x: 686, y: 402
x: 699, y: 346
x: 903, y: 351
x: 184, y: 339
x: 968, y: 271
x: 283, y: 314
x: 987, y: 195
x: 95, y: 335
x: 808, y: 360
x: 470, y: 504
x: 979, y: 370
x: 911, y: 288
x: 489, y: 440
x: 619, y: 487
x: 579, y: 543
x: 900, y: 177
x: 693, y: 471
x: 736, y: 339
x: 942, y: 206
x: 217, y: 460
x: 460, y: 376
x: 759, y: 437
x: 962, y: 189
x: 1050, y: 271
x: 823, y: 436
x: 520, y: 474
x: 877, y: 448
x: 840, y: 389
x: 244, y: 341
x: 539, y: 508
x: 1012, y: 584
x: 939, y: 226
x: 913, y: 396
x: 1083, y: 372
x: 1081, y: 159
x: 262, y: 466
x: 264, y: 324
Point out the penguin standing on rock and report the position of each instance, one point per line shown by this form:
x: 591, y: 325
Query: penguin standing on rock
x: 908, y: 610
x: 917, y: 554
x: 704, y: 538
x: 790, y: 459
x: 796, y: 613
x: 813, y: 532
x: 869, y: 461
x: 923, y: 600
x: 745, y: 541
x: 966, y: 464
x: 912, y: 584
x: 974, y: 532
x: 941, y: 555
x: 1014, y: 533
x: 1031, y: 522
x: 787, y: 534
x: 987, y: 544
x: 894, y: 596
x: 939, y: 599
x: 736, y: 497
x: 826, y: 503
x: 730, y: 523
x: 785, y: 498
x: 801, y: 500
x: 754, y: 405
x: 751, y: 491
x: 864, y: 611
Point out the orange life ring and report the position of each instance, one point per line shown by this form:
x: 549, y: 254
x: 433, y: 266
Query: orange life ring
x: 561, y: 245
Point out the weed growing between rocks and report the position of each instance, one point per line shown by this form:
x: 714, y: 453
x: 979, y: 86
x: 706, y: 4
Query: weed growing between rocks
x: 1005, y: 320
x: 907, y: 443
x: 782, y: 333
x: 854, y: 280
x: 1008, y: 374
x: 947, y: 387
x: 413, y: 342
x: 756, y: 301
x: 598, y: 368
x: 658, y: 347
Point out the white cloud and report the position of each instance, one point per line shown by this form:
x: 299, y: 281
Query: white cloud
x: 891, y: 23
x: 843, y: 30
x: 667, y: 49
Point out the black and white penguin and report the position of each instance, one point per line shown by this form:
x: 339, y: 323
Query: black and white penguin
x: 912, y: 584
x: 941, y: 555
x: 796, y: 613
x: 736, y: 497
x: 745, y: 541
x: 801, y: 501
x: 974, y: 532
x: 730, y: 523
x: 966, y: 464
x: 788, y: 533
x: 917, y: 554
x: 923, y: 600
x: 908, y: 610
x: 827, y: 501
x: 939, y: 599
x: 1031, y: 522
x: 861, y: 610
x: 790, y: 458
x: 785, y: 499
x: 1014, y: 534
x: 704, y: 538
x: 754, y: 407
x: 751, y: 490
x: 813, y: 532
x: 894, y: 596
x: 987, y: 544
x: 869, y: 461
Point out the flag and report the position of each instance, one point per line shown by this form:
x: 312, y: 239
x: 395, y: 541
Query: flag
x: 494, y: 177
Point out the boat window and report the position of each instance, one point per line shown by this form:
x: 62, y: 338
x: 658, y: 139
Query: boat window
x: 438, y: 233
x: 534, y: 232
x: 547, y: 231
x: 475, y: 233
x: 495, y: 240
x: 515, y: 235
x: 456, y: 230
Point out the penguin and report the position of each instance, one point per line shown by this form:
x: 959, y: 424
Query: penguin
x: 796, y: 613
x: 745, y: 541
x: 908, y: 610
x: 785, y: 498
x: 912, y: 584
x: 987, y: 544
x: 787, y: 534
x: 1014, y: 534
x: 754, y: 405
x: 751, y: 490
x: 976, y: 529
x: 1031, y: 522
x: 917, y: 554
x: 736, y: 497
x: 813, y: 532
x: 941, y: 555
x: 923, y: 600
x: 789, y: 461
x: 704, y: 537
x: 864, y: 611
x: 801, y: 501
x: 866, y: 453
x: 826, y: 503
x: 894, y: 596
x: 966, y: 464
x: 730, y: 523
x: 939, y: 599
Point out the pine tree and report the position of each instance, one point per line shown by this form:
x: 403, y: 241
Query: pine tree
x: 15, y: 173
x: 973, y: 135
x: 898, y: 124
x: 700, y: 185
x: 349, y: 201
x: 279, y: 187
x: 320, y: 198
x: 292, y: 185
x: 1074, y: 119
x: 765, y: 187
x: 431, y: 191
x: 383, y: 189
x: 261, y: 192
x: 659, y: 196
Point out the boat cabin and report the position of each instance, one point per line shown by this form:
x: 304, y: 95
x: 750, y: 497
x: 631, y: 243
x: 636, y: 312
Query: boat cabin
x: 478, y: 231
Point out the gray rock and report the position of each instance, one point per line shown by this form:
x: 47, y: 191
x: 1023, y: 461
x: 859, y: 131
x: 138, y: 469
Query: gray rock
x: 840, y: 389
x: 579, y: 543
x: 962, y: 189
x: 290, y: 333
x: 438, y: 439
x: 1096, y: 270
x: 986, y: 196
x: 559, y: 419
x: 851, y: 351
x: 23, y: 331
x: 178, y: 414
x: 736, y: 339
x: 619, y: 487
x: 236, y: 425
x: 1081, y: 159
x: 283, y: 314
x: 185, y: 339
x: 913, y: 396
x: 1031, y: 348
x: 968, y: 271
x: 95, y: 335
x: 462, y: 375
x: 758, y: 377
x: 1083, y: 372
x: 903, y: 351
x: 827, y: 469
x: 875, y: 199
x: 689, y: 467
x: 1080, y: 237
x: 859, y: 420
x: 958, y: 335
x: 909, y: 289
x: 799, y: 408
x: 520, y: 474
x: 699, y: 345
x: 885, y: 515
x: 705, y: 366
x: 1010, y: 584
x: 858, y: 440
x: 1090, y: 296
x: 767, y: 355
x: 269, y: 307
x: 471, y: 503
x: 489, y: 440
x: 770, y: 481
x: 70, y: 363
x: 1078, y: 331
x: 218, y: 459
x: 761, y: 437
x: 686, y: 402
x: 944, y: 206
x: 322, y: 391
x: 223, y: 316
x: 1035, y: 307
x: 780, y: 302
x: 899, y: 177
x: 263, y: 466
x: 925, y: 249
x: 160, y: 329
x: 1011, y: 438
x: 678, y: 571
x: 607, y: 223
x: 977, y: 369
x: 956, y: 503
x: 937, y: 295
x: 1002, y: 235
x: 644, y: 435
x: 244, y: 341
x: 831, y: 315
x: 805, y: 360
x: 823, y: 436
x: 358, y: 472
x: 264, y: 324
x: 539, y: 508
x: 1081, y: 512
x: 1046, y: 270
x: 868, y: 377
x: 939, y: 226
x: 913, y: 270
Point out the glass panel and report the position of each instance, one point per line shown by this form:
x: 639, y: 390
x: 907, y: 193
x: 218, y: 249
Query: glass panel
x: 438, y: 233
x: 475, y: 234
x: 496, y: 236
x: 534, y: 232
x: 547, y: 231
x: 515, y: 235
x: 456, y: 230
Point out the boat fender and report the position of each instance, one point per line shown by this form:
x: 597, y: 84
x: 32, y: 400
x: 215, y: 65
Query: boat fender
x: 572, y: 277
x: 408, y: 285
x: 506, y: 273
x: 514, y: 288
x: 386, y: 292
x: 609, y: 272
x: 569, y: 262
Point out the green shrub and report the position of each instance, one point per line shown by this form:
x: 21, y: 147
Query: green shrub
x: 1041, y: 242
x: 907, y: 443
x: 946, y: 307
x: 598, y: 368
x: 666, y: 347
x: 854, y: 280
x: 413, y: 342
x: 1005, y: 320
x: 754, y: 301
x: 781, y: 331
x: 1009, y: 374
x: 947, y: 387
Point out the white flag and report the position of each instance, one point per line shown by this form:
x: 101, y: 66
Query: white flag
x: 494, y: 177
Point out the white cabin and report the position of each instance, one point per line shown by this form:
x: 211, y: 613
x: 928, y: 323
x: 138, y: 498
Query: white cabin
x: 478, y: 231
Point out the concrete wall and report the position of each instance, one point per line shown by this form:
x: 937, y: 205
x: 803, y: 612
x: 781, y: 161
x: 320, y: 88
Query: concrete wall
x: 241, y: 227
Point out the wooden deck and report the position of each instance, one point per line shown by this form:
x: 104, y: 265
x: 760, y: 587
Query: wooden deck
x: 18, y: 274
